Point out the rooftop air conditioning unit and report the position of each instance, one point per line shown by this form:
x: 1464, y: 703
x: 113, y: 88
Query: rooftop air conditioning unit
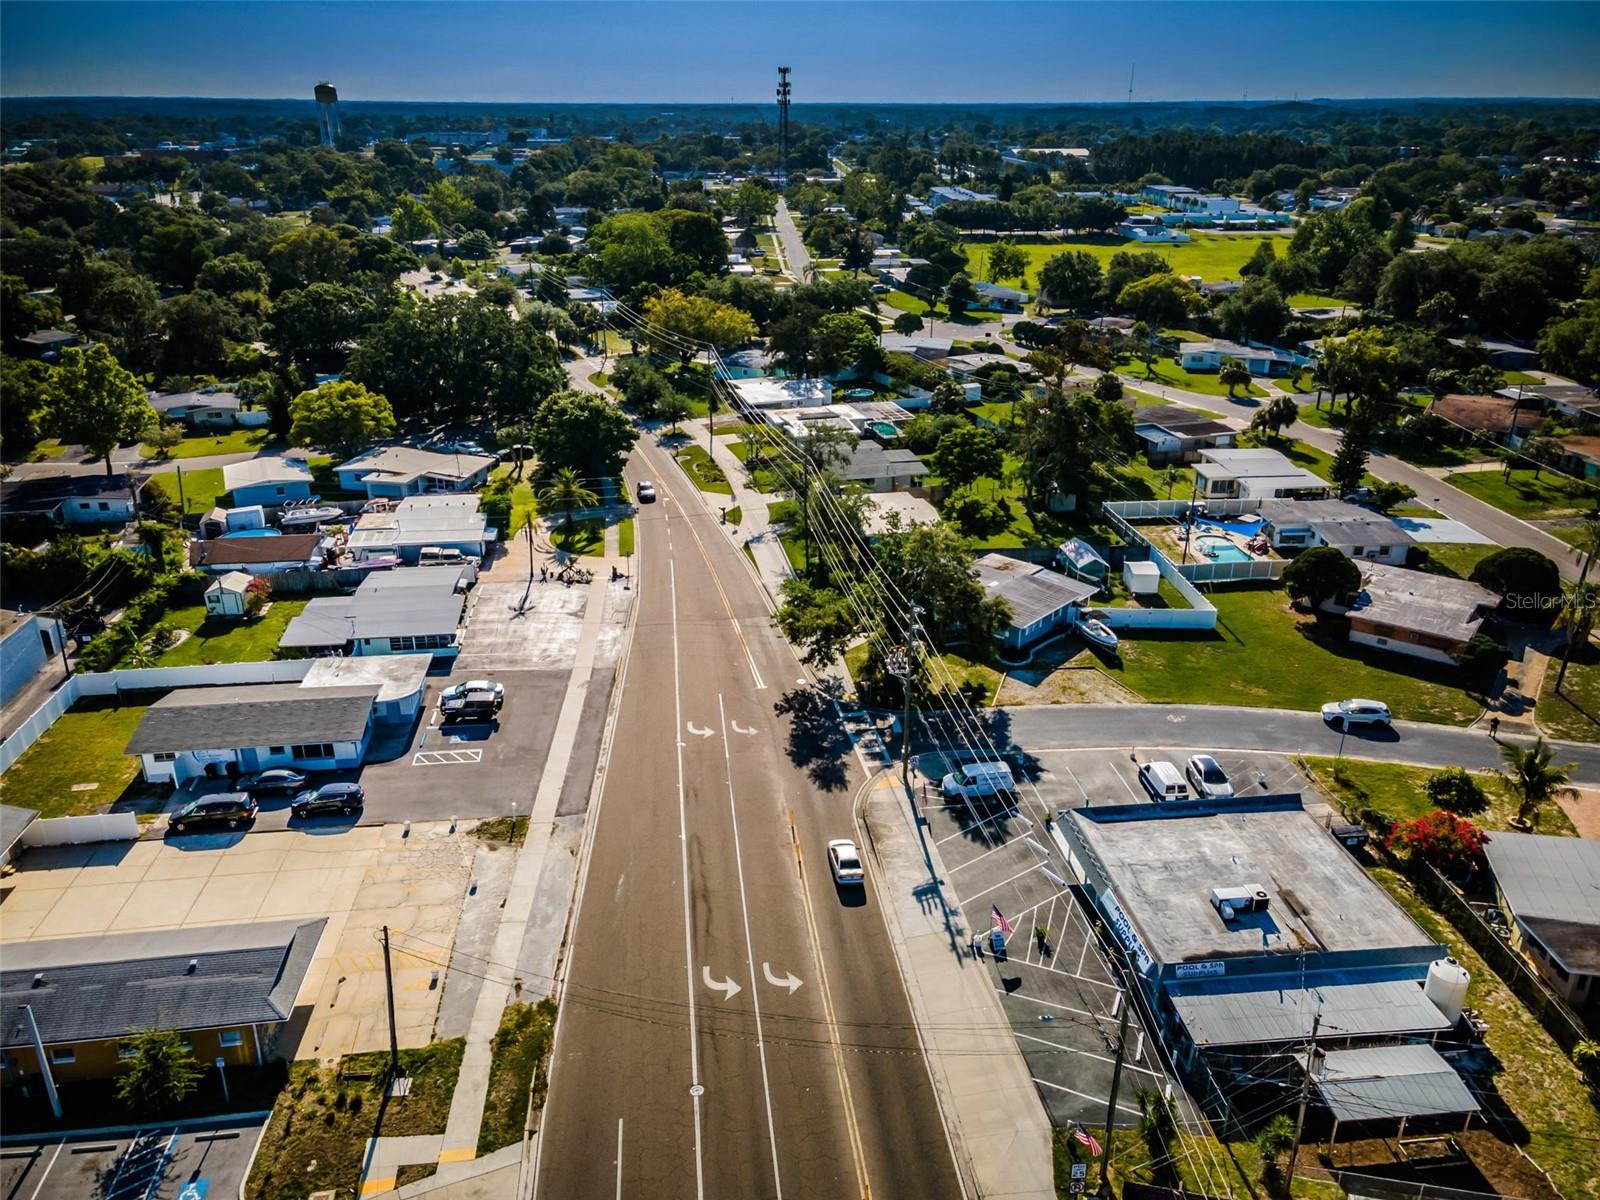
x: 1229, y: 901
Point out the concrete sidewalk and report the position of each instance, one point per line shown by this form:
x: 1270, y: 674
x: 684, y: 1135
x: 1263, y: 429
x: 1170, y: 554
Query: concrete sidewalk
x: 755, y: 529
x: 991, y: 1109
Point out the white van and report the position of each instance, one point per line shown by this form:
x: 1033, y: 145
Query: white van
x: 976, y: 780
x: 1163, y: 781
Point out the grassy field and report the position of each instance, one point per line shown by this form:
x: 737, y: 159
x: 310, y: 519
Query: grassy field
x: 1211, y: 256
x: 1167, y: 371
x: 1525, y: 496
x: 202, y: 490
x: 224, y: 640
x: 1572, y: 714
x: 707, y: 476
x: 520, y: 1047
x: 625, y: 536
x: 954, y: 671
x: 79, y: 765
x: 1536, y: 1080
x: 1264, y: 654
x: 320, y: 1125
x: 1453, y: 558
x: 1395, y: 790
x: 235, y: 441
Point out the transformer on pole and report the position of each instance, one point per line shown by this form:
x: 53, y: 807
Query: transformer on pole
x: 783, y: 127
x: 327, y: 112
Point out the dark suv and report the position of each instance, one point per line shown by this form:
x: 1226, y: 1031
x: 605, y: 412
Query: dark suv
x: 229, y: 809
x: 343, y: 798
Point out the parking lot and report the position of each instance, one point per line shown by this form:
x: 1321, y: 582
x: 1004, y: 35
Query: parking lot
x: 1058, y: 992
x: 160, y: 1163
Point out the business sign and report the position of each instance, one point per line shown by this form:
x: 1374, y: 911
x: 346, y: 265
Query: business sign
x: 1126, y: 933
x: 1199, y: 970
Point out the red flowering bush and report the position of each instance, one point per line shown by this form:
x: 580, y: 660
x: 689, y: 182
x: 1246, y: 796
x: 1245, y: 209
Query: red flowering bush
x: 1448, y: 842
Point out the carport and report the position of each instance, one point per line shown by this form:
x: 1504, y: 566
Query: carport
x: 1390, y: 1083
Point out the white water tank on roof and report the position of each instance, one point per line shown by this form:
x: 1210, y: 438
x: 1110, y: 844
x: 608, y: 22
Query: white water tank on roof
x: 1446, y: 986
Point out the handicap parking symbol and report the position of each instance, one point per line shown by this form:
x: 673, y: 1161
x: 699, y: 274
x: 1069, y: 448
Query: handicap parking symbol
x: 195, y: 1189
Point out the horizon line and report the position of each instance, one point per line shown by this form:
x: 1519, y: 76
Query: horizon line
x: 1124, y: 103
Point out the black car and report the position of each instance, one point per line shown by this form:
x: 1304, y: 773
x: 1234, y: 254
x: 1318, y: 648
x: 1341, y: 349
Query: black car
x: 280, y: 781
x: 343, y: 798
x: 229, y: 809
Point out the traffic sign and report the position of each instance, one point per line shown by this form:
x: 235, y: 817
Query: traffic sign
x: 1075, y: 1187
x: 1079, y: 1170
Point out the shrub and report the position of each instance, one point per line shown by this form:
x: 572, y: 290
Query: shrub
x: 1529, y: 583
x: 975, y: 515
x: 1455, y: 790
x: 143, y: 611
x: 496, y: 504
x: 1444, y: 840
x: 1320, y: 574
x: 1482, y: 657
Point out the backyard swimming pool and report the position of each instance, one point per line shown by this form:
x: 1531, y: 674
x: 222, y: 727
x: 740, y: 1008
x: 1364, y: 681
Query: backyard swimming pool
x: 1219, y: 549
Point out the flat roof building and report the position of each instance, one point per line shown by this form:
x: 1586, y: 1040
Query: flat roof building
x: 1254, y: 474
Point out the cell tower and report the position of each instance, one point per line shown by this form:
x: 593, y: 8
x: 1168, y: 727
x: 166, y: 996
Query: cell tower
x: 783, y: 127
x: 327, y: 112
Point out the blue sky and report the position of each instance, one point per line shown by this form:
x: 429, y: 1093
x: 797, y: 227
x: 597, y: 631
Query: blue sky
x: 894, y: 50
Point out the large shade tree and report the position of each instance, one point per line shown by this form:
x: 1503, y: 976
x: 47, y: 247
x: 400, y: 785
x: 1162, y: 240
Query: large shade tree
x: 94, y: 401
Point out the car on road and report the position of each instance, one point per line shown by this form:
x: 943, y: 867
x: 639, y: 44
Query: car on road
x: 227, y: 809
x: 844, y: 860
x: 1162, y: 781
x: 474, y: 687
x: 1207, y: 778
x: 280, y: 781
x: 344, y: 798
x: 646, y: 492
x: 1350, y: 713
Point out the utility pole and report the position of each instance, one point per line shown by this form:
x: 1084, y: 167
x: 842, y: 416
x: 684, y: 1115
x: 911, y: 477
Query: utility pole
x: 1116, y: 1081
x: 903, y: 665
x: 1305, y: 1095
x: 183, y: 505
x: 44, y: 1063
x: 388, y: 984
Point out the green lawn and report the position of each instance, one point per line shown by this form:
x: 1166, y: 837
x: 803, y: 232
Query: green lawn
x: 1263, y: 654
x: 955, y: 671
x: 202, y: 490
x: 1211, y: 256
x: 1536, y: 1080
x: 582, y: 537
x: 79, y: 765
x: 1315, y: 300
x: 707, y: 476
x: 1526, y: 496
x: 1167, y: 371
x: 1573, y: 714
x: 1395, y: 790
x: 235, y: 441
x: 227, y: 639
x: 1452, y: 558
x: 625, y: 534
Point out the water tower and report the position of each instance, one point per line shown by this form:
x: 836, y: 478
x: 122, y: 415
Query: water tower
x: 327, y: 112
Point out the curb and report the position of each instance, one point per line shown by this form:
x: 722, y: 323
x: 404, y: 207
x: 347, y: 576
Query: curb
x: 221, y: 1121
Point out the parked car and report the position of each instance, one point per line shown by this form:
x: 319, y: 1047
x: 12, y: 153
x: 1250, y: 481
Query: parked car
x: 473, y: 686
x: 473, y: 706
x: 646, y: 492
x: 1162, y: 781
x: 1209, y: 781
x: 279, y: 781
x: 1356, y: 712
x: 343, y: 798
x: 974, y: 781
x: 844, y: 860
x: 229, y: 809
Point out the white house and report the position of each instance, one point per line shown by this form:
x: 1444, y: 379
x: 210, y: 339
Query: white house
x: 1145, y: 228
x: 83, y: 497
x: 938, y: 197
x: 1353, y: 531
x: 1416, y: 613
x: 994, y: 298
x: 416, y: 610
x: 1254, y: 474
x: 214, y: 410
x: 1262, y: 360
x: 226, y: 595
x: 268, y: 480
x: 404, y: 471
x: 419, y: 524
x: 762, y: 395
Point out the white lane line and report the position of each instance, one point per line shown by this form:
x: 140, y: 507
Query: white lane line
x: 749, y: 948
x: 695, y: 1089
x: 619, y: 1158
x: 48, y: 1168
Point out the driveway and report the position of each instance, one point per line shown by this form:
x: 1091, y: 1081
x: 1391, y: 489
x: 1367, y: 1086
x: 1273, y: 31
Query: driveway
x: 167, y: 1162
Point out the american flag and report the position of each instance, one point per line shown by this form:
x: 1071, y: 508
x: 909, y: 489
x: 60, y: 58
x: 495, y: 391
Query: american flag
x: 997, y: 917
x: 1080, y: 1134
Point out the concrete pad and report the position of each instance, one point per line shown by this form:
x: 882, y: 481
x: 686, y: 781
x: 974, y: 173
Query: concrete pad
x: 234, y: 897
x: 20, y: 924
x: 1442, y: 530
x: 301, y: 892
x: 253, y: 860
x: 172, y: 863
x: 91, y: 909
x: 157, y: 903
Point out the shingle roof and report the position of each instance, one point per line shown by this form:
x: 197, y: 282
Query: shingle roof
x: 260, y: 714
x: 1386, y: 1082
x: 88, y: 988
x: 869, y: 460
x: 1337, y: 522
x: 288, y: 547
x: 1033, y: 591
x: 176, y: 400
x: 1426, y: 603
x: 1552, y: 886
x: 1492, y: 414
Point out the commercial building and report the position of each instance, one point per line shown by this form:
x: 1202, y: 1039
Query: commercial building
x: 938, y: 197
x: 414, y: 610
x: 1416, y: 613
x: 1254, y: 474
x: 1550, y: 886
x: 226, y: 988
x: 395, y: 471
x: 268, y: 481
x: 1042, y: 601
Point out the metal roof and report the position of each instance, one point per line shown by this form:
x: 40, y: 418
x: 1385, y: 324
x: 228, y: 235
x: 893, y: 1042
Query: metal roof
x: 1033, y: 591
x: 1263, y: 1010
x: 1552, y: 886
x: 405, y: 463
x: 411, y: 612
x: 1387, y: 1082
x: 104, y: 986
x: 271, y: 469
x: 259, y: 714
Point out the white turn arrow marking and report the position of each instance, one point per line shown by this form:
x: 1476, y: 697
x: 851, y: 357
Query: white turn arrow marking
x: 698, y: 731
x: 738, y: 728
x: 788, y: 981
x: 727, y: 987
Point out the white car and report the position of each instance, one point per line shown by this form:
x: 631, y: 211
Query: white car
x: 844, y: 860
x: 473, y: 687
x: 1356, y: 712
x: 1210, y: 781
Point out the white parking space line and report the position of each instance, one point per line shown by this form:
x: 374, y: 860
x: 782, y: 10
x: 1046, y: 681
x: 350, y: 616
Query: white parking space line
x: 1030, y: 870
x: 1126, y: 1065
x: 50, y: 1166
x: 1076, y: 782
x: 1056, y: 1087
x: 967, y: 832
x: 445, y: 758
x: 1089, y: 979
x: 1048, y: 1004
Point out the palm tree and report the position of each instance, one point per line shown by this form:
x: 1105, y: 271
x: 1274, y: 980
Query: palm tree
x: 566, y: 492
x: 1577, y: 614
x: 1533, y: 778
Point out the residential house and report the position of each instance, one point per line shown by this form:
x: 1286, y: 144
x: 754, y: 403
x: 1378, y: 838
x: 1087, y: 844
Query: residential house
x: 1504, y: 419
x: 257, y: 555
x: 1508, y: 356
x: 227, y: 595
x: 1353, y: 531
x: 404, y: 471
x: 765, y: 395
x: 938, y: 197
x: 880, y: 469
x: 994, y: 298
x: 1569, y: 399
x: 1042, y: 601
x: 401, y: 680
x: 1550, y: 887
x: 48, y: 343
x: 908, y: 508
x: 221, y: 731
x: 27, y: 642
x: 424, y: 528
x: 73, y: 497
x: 1177, y: 435
x: 1145, y: 228
x: 919, y: 345
x: 1580, y: 455
x: 1262, y: 360
x: 1416, y: 613
x: 227, y: 989
x: 755, y: 363
x: 268, y: 480
x: 215, y: 410
x: 414, y: 610
x: 1254, y: 474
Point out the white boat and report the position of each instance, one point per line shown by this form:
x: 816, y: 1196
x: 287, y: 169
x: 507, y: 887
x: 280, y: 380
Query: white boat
x: 309, y: 516
x: 1092, y: 629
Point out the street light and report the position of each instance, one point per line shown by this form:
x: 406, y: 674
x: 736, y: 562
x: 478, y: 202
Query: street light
x: 902, y: 664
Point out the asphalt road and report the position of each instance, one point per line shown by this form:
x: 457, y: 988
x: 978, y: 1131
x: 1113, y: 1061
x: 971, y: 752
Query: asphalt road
x: 795, y: 254
x: 733, y: 1025
x: 1129, y: 726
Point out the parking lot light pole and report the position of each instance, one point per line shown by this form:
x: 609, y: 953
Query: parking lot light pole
x: 44, y: 1062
